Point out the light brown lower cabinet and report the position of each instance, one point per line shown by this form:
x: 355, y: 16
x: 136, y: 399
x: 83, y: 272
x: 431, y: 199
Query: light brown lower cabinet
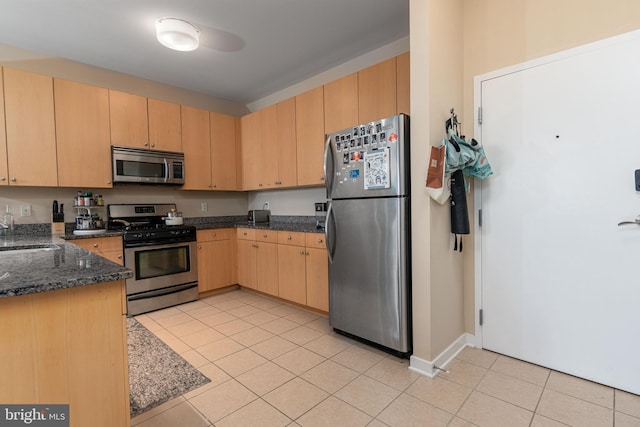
x: 68, y: 346
x: 289, y: 265
x: 216, y: 259
x: 267, y: 261
x: 302, y: 263
x: 107, y: 247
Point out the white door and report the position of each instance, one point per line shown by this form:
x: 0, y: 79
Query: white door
x: 560, y: 280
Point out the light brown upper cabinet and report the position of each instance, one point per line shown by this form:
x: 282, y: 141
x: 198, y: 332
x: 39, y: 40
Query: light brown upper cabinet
x: 251, y: 150
x: 129, y: 121
x: 403, y: 86
x: 164, y: 125
x: 225, y: 133
x: 30, y: 126
x: 197, y: 148
x: 286, y: 136
x: 341, y: 103
x: 268, y: 166
x: 82, y: 134
x: 142, y: 122
x: 4, y: 171
x: 377, y: 91
x: 310, y: 137
x: 269, y: 147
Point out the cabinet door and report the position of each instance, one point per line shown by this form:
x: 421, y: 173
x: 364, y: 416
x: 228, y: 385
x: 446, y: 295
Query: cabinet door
x: 100, y: 245
x: 310, y: 137
x: 250, y: 150
x: 317, y: 279
x: 341, y: 103
x: 403, y: 86
x: 4, y: 172
x: 267, y: 267
x: 197, y: 149
x: 247, y: 250
x: 291, y: 271
x: 129, y: 120
x: 269, y: 139
x: 377, y: 91
x: 30, y: 126
x: 82, y: 134
x: 216, y: 264
x: 164, y: 125
x: 224, y: 140
x: 287, y: 170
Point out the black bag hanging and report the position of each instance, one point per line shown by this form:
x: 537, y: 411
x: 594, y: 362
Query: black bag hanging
x: 459, y: 212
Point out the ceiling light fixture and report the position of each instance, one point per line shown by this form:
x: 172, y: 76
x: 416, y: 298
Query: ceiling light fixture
x: 177, y: 34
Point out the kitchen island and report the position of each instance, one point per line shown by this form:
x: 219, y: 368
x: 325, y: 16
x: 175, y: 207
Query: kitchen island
x: 63, y: 339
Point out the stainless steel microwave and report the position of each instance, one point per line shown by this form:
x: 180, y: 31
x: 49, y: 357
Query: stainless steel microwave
x: 140, y: 166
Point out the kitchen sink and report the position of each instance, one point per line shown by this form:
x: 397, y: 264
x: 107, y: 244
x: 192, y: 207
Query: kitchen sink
x: 25, y: 249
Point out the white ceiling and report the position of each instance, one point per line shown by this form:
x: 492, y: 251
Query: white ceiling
x: 249, y: 48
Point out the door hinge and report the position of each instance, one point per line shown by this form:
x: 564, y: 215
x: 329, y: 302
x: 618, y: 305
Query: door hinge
x: 481, y: 317
x: 479, y: 115
x: 479, y: 217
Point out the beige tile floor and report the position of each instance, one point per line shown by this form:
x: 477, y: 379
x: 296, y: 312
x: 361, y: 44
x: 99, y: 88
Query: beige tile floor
x: 272, y: 364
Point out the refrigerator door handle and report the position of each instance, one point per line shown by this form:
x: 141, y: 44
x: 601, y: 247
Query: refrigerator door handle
x: 330, y: 233
x: 328, y: 166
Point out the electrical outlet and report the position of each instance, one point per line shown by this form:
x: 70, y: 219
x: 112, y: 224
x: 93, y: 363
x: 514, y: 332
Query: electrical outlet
x: 25, y: 210
x: 266, y: 206
x: 204, y: 207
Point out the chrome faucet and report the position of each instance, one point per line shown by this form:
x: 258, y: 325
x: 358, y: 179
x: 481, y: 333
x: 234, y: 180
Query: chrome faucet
x: 3, y: 225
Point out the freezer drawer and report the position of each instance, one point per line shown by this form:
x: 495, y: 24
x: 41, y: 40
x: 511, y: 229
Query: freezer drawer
x: 369, y: 270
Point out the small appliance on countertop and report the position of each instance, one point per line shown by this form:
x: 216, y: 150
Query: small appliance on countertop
x: 258, y: 216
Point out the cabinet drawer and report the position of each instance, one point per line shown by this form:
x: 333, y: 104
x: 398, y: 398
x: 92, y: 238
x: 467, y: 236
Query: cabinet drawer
x: 215, y: 234
x: 115, y: 256
x: 291, y: 238
x: 246, y: 234
x: 269, y: 236
x: 100, y: 244
x: 315, y: 240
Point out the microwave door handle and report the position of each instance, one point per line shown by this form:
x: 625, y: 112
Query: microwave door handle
x: 166, y: 169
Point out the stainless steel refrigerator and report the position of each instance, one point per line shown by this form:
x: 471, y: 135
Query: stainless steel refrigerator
x: 368, y: 232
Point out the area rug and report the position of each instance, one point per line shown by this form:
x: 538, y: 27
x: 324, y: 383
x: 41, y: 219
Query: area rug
x: 156, y: 372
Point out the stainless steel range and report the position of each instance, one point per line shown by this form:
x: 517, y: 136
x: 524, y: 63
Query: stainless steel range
x: 162, y: 257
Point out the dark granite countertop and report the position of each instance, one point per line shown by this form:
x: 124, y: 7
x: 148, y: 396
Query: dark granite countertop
x: 62, y: 265
x: 307, y: 224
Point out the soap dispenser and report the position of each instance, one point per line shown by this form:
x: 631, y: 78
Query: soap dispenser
x: 8, y: 220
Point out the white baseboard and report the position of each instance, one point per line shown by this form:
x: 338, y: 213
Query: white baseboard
x: 428, y: 368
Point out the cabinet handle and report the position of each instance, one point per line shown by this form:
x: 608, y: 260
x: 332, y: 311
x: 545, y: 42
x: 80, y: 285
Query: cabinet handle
x: 119, y: 256
x: 254, y: 246
x: 307, y: 253
x: 153, y: 145
x: 301, y: 252
x: 215, y: 186
x: 245, y: 233
x: 199, y: 246
x: 95, y: 245
x: 146, y: 144
x: 322, y: 178
x: 278, y: 182
x: 319, y: 240
x: 214, y: 234
x: 259, y: 185
x: 108, y: 182
x: 13, y: 179
x: 2, y: 178
x: 289, y: 237
x: 264, y: 235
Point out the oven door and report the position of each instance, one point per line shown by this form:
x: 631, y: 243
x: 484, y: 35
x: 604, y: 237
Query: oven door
x: 161, y: 266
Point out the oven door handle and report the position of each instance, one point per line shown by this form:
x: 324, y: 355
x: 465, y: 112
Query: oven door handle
x: 161, y: 292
